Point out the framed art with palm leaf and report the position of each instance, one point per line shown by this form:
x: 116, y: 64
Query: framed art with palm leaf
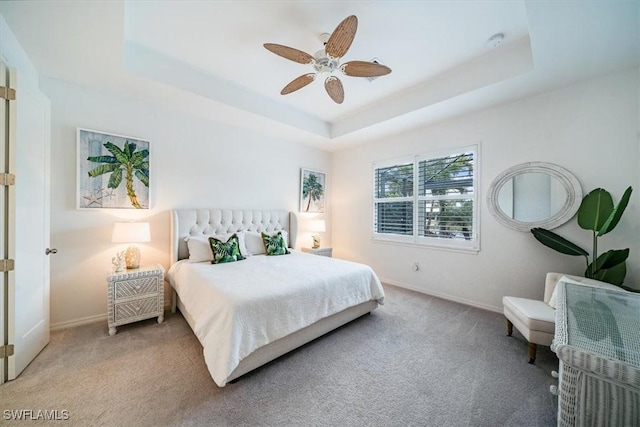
x: 113, y: 171
x: 312, y: 190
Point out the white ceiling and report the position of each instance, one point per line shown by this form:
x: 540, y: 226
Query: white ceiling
x: 206, y: 57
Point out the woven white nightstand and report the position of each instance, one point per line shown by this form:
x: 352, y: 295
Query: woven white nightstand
x: 319, y: 251
x: 135, y: 295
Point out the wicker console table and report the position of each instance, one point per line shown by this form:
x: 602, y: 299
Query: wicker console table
x: 597, y: 341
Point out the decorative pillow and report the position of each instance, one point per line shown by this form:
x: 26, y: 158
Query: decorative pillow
x: 275, y: 244
x: 228, y: 251
x: 255, y: 244
x: 200, y: 249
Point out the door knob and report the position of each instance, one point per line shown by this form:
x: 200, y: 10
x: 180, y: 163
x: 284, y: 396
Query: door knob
x: 51, y: 251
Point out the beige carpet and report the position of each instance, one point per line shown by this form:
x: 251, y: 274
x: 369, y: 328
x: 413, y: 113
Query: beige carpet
x: 416, y: 361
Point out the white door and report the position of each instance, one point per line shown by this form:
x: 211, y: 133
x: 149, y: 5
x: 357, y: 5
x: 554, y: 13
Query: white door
x: 4, y: 240
x: 27, y: 302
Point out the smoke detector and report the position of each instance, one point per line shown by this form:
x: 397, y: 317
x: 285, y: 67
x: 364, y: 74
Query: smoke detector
x: 495, y: 40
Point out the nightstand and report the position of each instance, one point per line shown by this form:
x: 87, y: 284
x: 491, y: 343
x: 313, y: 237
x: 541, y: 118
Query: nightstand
x: 319, y: 251
x: 134, y: 295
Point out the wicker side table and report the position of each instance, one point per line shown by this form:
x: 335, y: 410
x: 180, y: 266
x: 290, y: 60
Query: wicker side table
x: 135, y: 295
x: 598, y: 345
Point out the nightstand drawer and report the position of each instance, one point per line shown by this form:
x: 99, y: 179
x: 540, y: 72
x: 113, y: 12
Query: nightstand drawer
x: 134, y: 309
x: 134, y: 287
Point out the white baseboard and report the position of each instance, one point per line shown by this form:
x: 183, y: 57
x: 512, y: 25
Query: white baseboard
x: 78, y: 322
x: 90, y: 319
x: 443, y: 296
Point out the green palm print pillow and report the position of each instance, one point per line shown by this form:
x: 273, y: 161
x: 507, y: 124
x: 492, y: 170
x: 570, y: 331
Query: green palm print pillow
x: 275, y: 245
x: 228, y: 251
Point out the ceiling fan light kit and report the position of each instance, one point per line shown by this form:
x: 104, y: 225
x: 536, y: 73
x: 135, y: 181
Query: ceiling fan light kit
x: 327, y: 60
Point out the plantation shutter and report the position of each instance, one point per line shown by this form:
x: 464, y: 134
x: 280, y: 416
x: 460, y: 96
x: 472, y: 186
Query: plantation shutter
x: 428, y: 200
x: 446, y: 197
x: 393, y: 199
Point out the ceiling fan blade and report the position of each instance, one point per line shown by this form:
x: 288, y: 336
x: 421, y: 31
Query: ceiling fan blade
x: 298, y: 83
x: 334, y: 88
x: 364, y: 69
x: 342, y: 37
x: 290, y: 53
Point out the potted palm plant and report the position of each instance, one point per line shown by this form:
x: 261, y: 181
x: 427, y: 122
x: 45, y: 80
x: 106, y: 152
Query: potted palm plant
x: 598, y: 214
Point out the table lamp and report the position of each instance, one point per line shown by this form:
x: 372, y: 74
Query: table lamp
x: 317, y: 226
x: 131, y: 232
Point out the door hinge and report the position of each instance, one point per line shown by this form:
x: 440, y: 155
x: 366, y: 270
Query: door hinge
x: 7, y: 179
x: 7, y: 93
x: 7, y: 265
x: 6, y: 351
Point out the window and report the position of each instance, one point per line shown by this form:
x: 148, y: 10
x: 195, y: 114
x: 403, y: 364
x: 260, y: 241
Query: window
x: 428, y: 199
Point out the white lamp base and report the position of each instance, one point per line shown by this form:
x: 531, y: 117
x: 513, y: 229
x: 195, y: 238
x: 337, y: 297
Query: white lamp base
x: 316, y: 241
x: 132, y: 257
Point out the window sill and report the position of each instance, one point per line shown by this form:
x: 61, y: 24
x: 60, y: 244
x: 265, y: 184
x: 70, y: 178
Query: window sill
x: 469, y: 250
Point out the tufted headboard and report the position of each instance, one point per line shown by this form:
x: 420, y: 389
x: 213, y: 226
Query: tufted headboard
x: 193, y: 222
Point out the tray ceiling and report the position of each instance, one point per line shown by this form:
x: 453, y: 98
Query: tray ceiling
x: 207, y: 58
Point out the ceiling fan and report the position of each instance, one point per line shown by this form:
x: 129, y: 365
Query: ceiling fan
x: 327, y: 60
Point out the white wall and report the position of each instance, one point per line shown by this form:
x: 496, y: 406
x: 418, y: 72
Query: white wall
x: 194, y: 163
x: 590, y: 128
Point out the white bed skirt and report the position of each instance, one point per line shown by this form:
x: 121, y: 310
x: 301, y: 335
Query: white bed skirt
x: 292, y: 341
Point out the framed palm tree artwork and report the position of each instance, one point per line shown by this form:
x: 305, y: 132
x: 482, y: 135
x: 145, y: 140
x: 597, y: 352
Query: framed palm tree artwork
x: 312, y: 190
x: 113, y: 171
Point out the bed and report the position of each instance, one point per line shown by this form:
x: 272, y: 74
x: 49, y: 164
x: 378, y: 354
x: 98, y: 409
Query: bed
x: 249, y: 312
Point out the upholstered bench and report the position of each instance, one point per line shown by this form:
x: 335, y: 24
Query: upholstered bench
x: 536, y: 319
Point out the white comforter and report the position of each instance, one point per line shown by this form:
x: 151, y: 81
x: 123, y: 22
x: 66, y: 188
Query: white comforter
x: 241, y: 306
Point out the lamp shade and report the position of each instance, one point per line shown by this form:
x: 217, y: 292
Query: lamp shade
x: 131, y: 232
x: 317, y: 226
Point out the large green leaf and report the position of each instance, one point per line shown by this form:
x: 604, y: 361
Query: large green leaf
x: 143, y: 176
x: 557, y: 243
x: 102, y: 169
x: 614, y: 275
x: 129, y: 148
x: 611, y: 258
x: 595, y: 209
x: 102, y: 159
x: 615, y: 216
x: 115, y: 179
x: 120, y: 155
x: 138, y: 157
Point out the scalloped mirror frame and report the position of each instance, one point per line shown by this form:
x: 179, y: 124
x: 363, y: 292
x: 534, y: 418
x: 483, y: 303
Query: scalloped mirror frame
x: 566, y: 178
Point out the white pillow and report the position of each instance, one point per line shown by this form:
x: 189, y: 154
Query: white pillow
x: 200, y: 250
x: 254, y: 243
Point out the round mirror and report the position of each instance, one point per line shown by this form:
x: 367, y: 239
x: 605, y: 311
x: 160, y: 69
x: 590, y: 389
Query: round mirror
x: 534, y: 194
